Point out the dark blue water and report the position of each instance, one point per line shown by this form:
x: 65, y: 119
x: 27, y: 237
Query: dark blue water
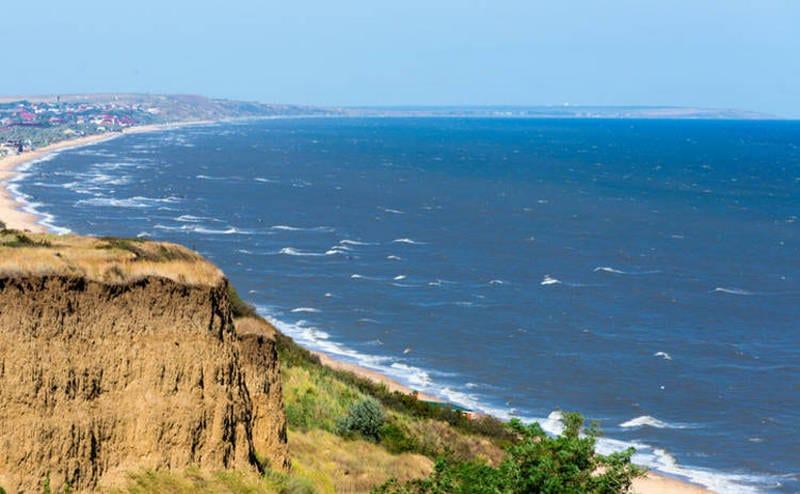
x: 644, y: 273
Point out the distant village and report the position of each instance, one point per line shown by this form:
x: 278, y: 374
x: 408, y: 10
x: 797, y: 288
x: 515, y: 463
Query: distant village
x: 34, y: 122
x: 25, y: 125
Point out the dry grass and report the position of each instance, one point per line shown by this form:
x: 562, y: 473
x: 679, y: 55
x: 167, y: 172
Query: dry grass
x: 192, y: 480
x: 108, y: 260
x: 335, y: 464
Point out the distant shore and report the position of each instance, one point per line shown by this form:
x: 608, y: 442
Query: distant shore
x: 14, y: 217
x: 10, y: 209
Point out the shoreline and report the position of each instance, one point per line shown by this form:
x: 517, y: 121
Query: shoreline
x: 11, y: 209
x: 12, y: 214
x: 653, y: 482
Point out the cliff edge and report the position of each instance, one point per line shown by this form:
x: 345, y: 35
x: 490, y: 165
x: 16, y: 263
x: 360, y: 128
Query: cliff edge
x: 118, y: 355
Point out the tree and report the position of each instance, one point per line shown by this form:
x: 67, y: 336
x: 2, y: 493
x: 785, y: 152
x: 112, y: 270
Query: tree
x: 365, y: 417
x: 536, y: 463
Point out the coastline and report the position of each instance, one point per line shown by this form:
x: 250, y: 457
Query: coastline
x: 11, y: 212
x: 652, y: 483
x: 14, y: 217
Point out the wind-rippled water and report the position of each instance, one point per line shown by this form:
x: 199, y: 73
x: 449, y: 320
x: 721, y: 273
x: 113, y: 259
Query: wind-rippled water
x: 644, y: 273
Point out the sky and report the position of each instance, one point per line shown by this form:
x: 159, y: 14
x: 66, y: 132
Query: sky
x: 741, y: 54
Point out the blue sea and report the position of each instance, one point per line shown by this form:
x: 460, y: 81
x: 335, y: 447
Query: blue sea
x: 643, y: 273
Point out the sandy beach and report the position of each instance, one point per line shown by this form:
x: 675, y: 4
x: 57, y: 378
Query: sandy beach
x: 10, y: 210
x: 14, y: 217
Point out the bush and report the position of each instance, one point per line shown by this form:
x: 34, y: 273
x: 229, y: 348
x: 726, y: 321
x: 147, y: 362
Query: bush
x: 395, y: 440
x: 535, y: 463
x: 365, y: 417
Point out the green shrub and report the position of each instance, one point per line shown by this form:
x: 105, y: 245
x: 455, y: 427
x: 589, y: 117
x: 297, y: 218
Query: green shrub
x: 239, y: 307
x: 395, y: 440
x: 535, y: 463
x: 365, y: 417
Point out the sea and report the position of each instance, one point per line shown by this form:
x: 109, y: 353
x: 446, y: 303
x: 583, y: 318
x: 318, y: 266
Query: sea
x: 645, y: 273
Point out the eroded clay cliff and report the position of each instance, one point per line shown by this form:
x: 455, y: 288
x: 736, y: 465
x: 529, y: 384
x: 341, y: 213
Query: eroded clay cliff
x: 98, y: 379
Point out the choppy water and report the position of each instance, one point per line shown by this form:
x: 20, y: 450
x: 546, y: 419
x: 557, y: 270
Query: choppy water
x: 644, y: 273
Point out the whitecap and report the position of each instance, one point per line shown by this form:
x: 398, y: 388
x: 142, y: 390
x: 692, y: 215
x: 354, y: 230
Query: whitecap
x: 290, y: 251
x: 131, y: 202
x: 306, y: 309
x: 288, y: 228
x: 497, y: 282
x: 663, y: 355
x: 608, y: 269
x: 356, y: 276
x: 549, y: 280
x: 649, y: 421
x: 407, y: 241
x: 211, y: 231
x: 393, y: 211
x: 355, y: 242
x: 400, y: 277
x: 733, y: 291
x: 188, y: 218
x: 394, y: 258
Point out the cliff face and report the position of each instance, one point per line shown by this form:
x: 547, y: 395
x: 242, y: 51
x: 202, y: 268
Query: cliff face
x: 98, y: 379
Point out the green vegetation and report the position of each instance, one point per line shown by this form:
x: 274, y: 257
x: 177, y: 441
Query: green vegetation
x: 239, y: 307
x: 15, y: 238
x: 536, y: 463
x: 147, y: 251
x: 480, y: 455
x: 365, y: 417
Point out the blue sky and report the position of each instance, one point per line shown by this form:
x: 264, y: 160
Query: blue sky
x: 709, y: 53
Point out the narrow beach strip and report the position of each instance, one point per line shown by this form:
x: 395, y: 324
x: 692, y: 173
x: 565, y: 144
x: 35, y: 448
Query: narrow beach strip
x: 11, y: 212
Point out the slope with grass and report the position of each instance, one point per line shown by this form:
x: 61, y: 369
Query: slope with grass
x: 118, y: 355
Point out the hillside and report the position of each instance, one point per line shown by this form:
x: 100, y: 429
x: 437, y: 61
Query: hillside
x: 118, y: 355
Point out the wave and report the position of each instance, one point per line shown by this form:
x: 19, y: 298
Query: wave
x: 202, y: 229
x: 399, y: 277
x: 287, y: 228
x: 136, y: 202
x: 355, y: 242
x: 733, y: 291
x: 608, y: 269
x: 427, y: 381
x: 648, y: 421
x: 290, y: 251
x: 549, y: 280
x: 188, y: 218
x: 207, y: 177
x: 393, y: 211
x: 306, y: 309
x: 394, y: 258
x: 407, y: 241
x: 498, y: 282
x: 663, y: 355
